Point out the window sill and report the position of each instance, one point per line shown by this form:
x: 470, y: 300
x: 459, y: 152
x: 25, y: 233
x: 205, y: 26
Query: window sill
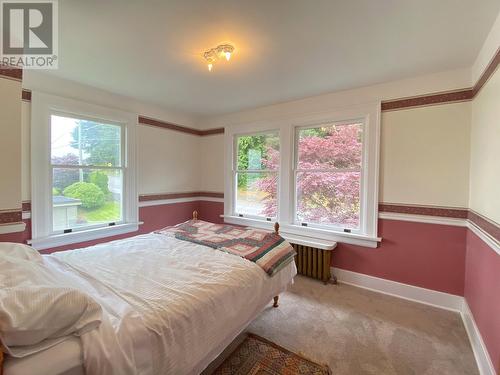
x: 82, y: 236
x: 313, y: 237
x: 308, y: 241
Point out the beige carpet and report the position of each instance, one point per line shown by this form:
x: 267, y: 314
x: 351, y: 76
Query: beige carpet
x: 356, y: 331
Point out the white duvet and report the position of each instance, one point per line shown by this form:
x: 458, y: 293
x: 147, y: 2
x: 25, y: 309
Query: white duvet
x: 170, y: 306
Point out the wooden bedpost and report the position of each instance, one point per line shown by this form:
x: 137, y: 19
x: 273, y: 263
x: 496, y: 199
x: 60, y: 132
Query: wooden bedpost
x: 276, y: 298
x: 195, y: 215
x: 277, y: 228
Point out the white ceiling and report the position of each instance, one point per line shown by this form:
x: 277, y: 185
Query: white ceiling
x: 285, y: 49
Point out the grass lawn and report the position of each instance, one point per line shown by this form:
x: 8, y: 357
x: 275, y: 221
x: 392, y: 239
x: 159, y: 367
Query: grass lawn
x: 108, y: 212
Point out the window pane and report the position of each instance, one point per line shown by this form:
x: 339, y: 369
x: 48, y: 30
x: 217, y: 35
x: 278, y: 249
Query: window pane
x: 256, y: 194
x: 330, y: 147
x: 84, y: 142
x: 257, y: 152
x: 329, y: 198
x: 84, y: 197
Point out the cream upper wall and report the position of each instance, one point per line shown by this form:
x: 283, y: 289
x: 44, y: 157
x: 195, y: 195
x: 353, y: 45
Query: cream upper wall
x: 168, y: 161
x: 212, y: 163
x: 10, y: 140
x: 485, y: 150
x: 425, y: 155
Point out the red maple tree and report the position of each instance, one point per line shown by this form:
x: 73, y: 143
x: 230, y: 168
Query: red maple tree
x: 327, y: 178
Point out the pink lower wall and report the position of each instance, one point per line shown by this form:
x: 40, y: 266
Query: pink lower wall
x: 482, y: 292
x: 211, y: 211
x: 157, y: 217
x: 426, y: 255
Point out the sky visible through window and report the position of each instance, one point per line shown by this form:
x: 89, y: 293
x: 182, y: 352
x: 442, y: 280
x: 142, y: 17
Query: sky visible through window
x: 61, y: 130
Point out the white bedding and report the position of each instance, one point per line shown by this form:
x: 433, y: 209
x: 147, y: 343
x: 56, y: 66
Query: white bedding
x: 64, y: 358
x: 170, y: 306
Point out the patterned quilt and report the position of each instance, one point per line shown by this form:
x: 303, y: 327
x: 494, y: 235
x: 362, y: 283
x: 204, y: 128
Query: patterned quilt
x: 267, y: 249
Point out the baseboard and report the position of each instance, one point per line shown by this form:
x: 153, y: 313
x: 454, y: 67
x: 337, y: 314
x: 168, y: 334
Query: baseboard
x: 429, y: 297
x: 409, y: 292
x: 483, y: 359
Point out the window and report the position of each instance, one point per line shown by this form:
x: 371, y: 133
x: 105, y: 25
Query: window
x: 256, y: 175
x: 83, y: 171
x: 316, y: 174
x: 328, y: 175
x: 87, y: 173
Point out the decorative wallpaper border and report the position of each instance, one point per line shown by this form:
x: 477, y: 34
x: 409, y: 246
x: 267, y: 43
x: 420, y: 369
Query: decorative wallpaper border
x: 448, y: 212
x: 454, y: 96
x: 11, y: 73
x: 10, y: 216
x: 167, y: 125
x: 429, y: 99
x: 191, y: 194
x: 488, y: 72
x: 212, y: 131
x: 486, y: 225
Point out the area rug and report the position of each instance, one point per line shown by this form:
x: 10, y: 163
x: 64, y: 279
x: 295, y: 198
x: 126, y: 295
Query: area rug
x: 258, y: 356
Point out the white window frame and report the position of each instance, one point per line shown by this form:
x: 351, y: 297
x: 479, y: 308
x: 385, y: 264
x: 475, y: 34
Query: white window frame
x: 364, y: 156
x: 43, y: 106
x: 369, y: 115
x: 235, y: 172
x: 231, y: 164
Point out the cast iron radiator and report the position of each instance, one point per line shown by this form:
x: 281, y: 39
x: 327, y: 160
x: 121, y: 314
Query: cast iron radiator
x: 313, y: 262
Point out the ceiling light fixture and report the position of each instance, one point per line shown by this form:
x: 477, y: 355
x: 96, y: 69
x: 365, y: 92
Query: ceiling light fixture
x: 214, y: 54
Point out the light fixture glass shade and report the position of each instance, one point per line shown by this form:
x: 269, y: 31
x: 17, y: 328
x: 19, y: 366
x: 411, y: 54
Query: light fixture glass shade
x: 213, y: 55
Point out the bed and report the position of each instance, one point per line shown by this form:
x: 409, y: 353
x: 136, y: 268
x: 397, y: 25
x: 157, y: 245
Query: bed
x: 169, y: 306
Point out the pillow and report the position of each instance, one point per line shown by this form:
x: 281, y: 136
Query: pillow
x: 39, y: 308
x: 19, y: 250
x: 29, y: 316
